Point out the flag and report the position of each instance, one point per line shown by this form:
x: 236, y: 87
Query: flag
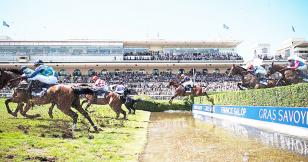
x: 5, y: 24
x: 293, y: 29
x: 225, y: 26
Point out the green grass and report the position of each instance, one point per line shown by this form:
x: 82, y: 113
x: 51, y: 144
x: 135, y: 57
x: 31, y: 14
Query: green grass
x: 44, y: 138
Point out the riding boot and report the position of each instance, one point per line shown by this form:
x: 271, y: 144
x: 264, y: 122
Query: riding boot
x: 95, y: 98
x: 29, y: 89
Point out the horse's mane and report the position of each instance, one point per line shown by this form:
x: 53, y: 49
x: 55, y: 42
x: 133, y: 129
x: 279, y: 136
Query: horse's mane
x: 277, y: 65
x: 16, y: 71
x: 241, y: 67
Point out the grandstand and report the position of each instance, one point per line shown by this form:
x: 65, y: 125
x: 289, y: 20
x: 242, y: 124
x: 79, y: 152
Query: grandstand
x: 146, y: 66
x: 122, y: 55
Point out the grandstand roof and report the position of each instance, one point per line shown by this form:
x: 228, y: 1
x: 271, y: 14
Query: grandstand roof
x: 302, y: 44
x: 182, y: 44
x: 130, y: 43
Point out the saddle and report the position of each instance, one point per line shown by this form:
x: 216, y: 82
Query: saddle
x: 35, y: 89
x: 39, y: 89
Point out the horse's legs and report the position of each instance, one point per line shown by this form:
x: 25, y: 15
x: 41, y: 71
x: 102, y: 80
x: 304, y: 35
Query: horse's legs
x: 209, y: 98
x: 50, y: 110
x: 239, y: 85
x: 128, y: 106
x: 19, y: 106
x: 7, y: 101
x: 86, y: 115
x: 122, y: 112
x: 170, y: 101
x: 118, y: 114
x: 133, y: 108
x: 88, y: 105
x: 68, y: 111
x: 27, y: 108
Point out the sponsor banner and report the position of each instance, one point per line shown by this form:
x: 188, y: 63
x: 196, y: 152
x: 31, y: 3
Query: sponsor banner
x: 295, y: 116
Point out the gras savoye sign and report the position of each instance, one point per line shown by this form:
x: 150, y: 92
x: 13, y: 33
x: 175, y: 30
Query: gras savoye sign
x: 295, y: 116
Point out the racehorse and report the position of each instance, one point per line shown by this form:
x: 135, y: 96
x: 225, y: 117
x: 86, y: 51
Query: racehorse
x: 111, y: 98
x: 8, y: 74
x: 288, y: 76
x: 248, y: 79
x: 130, y: 104
x: 63, y: 96
x: 114, y: 100
x: 180, y: 91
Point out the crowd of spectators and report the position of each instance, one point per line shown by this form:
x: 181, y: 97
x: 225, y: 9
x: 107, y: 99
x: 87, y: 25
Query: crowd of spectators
x: 214, y: 55
x: 155, y: 84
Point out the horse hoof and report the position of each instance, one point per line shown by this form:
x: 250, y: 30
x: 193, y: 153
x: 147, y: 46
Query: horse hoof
x: 96, y: 129
x: 74, y: 127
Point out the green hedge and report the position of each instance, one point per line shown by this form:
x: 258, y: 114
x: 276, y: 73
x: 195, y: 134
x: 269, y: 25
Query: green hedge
x: 163, y: 105
x: 293, y: 96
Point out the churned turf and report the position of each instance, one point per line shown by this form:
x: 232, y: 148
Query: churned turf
x: 45, y: 139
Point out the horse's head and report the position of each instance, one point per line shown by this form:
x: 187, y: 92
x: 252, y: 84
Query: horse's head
x: 235, y: 70
x: 173, y: 83
x: 271, y: 70
x: 1, y: 79
x: 275, y: 68
x: 7, y: 75
x: 130, y: 92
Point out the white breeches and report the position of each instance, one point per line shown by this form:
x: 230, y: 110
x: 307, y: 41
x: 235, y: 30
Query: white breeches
x: 45, y: 79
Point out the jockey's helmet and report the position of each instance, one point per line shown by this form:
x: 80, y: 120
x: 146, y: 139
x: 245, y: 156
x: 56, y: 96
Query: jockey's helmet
x: 38, y: 62
x: 94, y: 78
x: 250, y: 66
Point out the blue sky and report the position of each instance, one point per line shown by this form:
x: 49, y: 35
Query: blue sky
x: 252, y: 21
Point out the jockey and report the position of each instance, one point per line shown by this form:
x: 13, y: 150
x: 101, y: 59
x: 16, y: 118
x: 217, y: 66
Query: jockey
x: 297, y: 63
x: 258, y: 71
x: 100, y: 86
x: 186, y: 82
x: 43, y: 73
x: 120, y: 88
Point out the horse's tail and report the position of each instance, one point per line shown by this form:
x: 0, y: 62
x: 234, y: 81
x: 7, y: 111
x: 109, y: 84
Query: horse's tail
x: 82, y: 90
